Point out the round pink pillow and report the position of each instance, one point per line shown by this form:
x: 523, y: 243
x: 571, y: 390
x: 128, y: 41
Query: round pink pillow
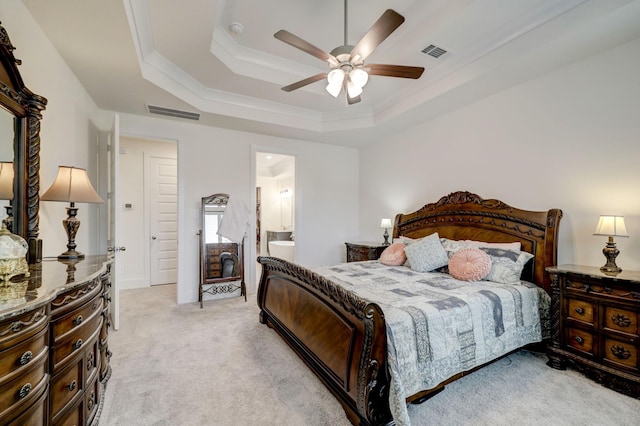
x: 393, y: 255
x: 469, y: 264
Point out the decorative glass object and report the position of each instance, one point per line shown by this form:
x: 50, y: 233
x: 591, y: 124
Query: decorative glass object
x: 13, y: 260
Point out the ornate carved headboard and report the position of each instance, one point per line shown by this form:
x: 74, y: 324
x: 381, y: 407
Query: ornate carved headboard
x: 463, y: 215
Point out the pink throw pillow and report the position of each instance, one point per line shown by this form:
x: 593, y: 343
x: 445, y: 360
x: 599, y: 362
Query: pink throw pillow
x: 469, y: 264
x: 393, y: 255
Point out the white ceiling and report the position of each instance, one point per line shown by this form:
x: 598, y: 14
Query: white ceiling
x: 183, y: 55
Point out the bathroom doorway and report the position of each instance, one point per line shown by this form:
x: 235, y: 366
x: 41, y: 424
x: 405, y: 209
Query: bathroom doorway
x: 275, y: 205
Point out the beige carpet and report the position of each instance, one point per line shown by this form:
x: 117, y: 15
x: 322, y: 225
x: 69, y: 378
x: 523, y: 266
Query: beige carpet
x: 181, y: 365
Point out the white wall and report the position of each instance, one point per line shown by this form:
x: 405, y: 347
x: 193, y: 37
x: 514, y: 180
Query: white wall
x: 214, y: 160
x: 133, y: 224
x: 67, y: 133
x: 569, y: 140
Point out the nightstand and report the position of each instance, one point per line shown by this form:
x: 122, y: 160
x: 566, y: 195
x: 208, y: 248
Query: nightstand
x: 358, y: 252
x: 595, y: 325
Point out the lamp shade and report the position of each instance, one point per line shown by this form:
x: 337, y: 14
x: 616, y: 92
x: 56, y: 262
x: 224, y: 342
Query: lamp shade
x: 611, y: 226
x: 6, y: 180
x: 385, y: 223
x: 72, y: 185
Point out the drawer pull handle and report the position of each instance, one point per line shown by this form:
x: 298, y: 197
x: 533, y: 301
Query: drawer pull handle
x: 78, y: 320
x: 621, y: 320
x: 620, y: 352
x: 579, y: 339
x: 24, y: 390
x: 72, y: 386
x: 77, y: 344
x: 580, y: 311
x: 25, y: 358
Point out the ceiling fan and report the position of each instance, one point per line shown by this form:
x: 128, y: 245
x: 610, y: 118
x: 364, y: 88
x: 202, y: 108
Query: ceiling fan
x: 347, y: 69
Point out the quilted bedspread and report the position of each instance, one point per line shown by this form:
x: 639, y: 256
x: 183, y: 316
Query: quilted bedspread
x: 438, y: 326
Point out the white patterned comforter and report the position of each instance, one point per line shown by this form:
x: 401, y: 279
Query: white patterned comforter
x: 438, y: 326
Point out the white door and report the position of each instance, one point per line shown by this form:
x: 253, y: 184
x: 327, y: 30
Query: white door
x: 112, y: 230
x: 163, y: 219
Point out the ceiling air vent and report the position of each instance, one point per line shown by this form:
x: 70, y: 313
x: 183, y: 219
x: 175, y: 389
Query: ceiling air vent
x: 153, y: 109
x: 433, y: 50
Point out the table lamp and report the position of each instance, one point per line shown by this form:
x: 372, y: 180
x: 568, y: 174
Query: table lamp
x: 611, y: 226
x: 386, y: 224
x: 72, y: 185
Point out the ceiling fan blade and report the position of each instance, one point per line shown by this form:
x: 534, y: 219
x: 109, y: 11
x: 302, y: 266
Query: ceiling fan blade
x: 302, y: 83
x: 395, y: 70
x: 384, y: 26
x: 297, y: 42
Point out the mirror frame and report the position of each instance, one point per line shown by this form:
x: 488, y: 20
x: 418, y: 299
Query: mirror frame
x: 27, y: 109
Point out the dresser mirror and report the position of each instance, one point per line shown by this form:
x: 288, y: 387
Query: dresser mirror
x: 21, y: 112
x: 221, y: 260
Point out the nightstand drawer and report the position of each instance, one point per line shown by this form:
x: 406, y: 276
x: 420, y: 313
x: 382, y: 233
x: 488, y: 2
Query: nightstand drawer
x: 580, y: 340
x: 622, y: 353
x: 360, y: 252
x: 580, y: 310
x: 621, y: 320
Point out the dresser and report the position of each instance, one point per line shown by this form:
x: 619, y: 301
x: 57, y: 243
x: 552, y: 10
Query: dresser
x: 595, y: 325
x: 361, y: 251
x: 54, y: 355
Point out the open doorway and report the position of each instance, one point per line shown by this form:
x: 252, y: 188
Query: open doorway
x: 275, y: 205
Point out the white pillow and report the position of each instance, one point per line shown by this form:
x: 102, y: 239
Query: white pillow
x: 426, y: 254
x: 452, y: 246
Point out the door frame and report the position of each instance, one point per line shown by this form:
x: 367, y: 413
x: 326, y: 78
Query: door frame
x: 252, y: 282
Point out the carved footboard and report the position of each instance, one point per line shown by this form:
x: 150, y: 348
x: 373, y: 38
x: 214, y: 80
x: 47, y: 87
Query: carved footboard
x: 339, y: 335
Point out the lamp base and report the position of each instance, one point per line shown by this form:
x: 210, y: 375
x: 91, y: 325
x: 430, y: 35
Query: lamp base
x: 611, y: 252
x: 71, y: 254
x: 386, y: 238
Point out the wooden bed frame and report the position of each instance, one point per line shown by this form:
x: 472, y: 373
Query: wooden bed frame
x: 342, y: 337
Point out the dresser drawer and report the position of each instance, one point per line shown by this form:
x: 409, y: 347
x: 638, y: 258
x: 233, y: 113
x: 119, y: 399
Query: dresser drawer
x: 75, y: 342
x: 21, y: 327
x: 73, y: 417
x: 76, y: 318
x: 16, y: 360
x: 580, y: 310
x: 580, y: 340
x: 37, y: 414
x: 70, y: 300
x: 24, y: 389
x: 92, y: 398
x: 621, y: 353
x: 91, y: 360
x: 623, y: 320
x: 65, y: 385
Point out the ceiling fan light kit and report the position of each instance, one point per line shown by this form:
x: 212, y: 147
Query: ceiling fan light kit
x: 346, y: 63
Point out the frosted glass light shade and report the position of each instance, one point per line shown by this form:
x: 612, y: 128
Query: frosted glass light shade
x: 72, y: 185
x: 335, y: 76
x: 334, y: 89
x: 359, y: 77
x: 353, y: 90
x: 611, y: 226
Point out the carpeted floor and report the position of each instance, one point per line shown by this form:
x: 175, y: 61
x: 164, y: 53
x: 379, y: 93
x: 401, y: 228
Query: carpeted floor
x: 180, y: 365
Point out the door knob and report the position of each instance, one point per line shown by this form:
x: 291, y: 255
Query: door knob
x: 116, y: 249
x: 154, y: 238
